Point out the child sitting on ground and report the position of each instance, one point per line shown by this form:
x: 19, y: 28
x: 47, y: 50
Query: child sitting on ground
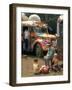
x: 36, y: 67
x: 55, y: 63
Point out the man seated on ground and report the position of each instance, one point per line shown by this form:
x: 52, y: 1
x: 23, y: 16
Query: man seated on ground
x: 55, y: 63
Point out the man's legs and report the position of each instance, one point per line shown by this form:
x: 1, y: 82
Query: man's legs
x: 26, y: 44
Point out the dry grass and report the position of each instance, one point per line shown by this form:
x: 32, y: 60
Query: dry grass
x: 26, y: 66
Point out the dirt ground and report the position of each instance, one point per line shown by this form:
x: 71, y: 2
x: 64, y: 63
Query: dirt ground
x: 27, y: 70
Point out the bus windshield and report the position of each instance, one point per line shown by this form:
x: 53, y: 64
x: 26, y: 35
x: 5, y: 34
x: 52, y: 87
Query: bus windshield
x: 40, y: 30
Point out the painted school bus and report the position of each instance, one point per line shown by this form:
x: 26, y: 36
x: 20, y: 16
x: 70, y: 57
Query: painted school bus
x: 39, y: 36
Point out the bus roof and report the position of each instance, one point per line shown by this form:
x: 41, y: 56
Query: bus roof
x: 33, y: 23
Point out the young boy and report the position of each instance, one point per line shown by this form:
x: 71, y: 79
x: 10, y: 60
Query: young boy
x: 36, y: 67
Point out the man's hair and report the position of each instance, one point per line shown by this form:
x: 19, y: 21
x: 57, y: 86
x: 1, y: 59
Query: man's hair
x: 26, y: 28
